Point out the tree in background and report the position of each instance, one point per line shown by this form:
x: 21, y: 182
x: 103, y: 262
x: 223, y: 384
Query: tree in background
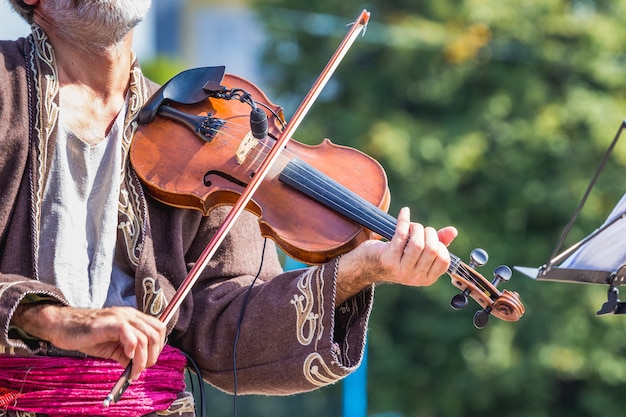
x: 491, y: 116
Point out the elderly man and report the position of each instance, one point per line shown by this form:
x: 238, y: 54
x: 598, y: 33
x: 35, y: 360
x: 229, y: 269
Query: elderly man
x: 88, y: 260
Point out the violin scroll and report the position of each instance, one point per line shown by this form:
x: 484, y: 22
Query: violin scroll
x: 505, y: 305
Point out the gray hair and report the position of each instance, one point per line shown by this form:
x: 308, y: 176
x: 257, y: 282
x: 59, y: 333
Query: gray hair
x: 22, y: 9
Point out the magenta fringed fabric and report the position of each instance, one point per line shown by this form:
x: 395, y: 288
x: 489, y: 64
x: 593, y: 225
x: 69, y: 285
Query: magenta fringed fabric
x: 62, y: 386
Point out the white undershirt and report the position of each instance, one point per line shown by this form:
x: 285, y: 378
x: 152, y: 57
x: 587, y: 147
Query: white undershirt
x: 79, y: 217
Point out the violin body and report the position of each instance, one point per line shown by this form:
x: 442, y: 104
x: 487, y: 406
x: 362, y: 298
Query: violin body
x: 180, y: 169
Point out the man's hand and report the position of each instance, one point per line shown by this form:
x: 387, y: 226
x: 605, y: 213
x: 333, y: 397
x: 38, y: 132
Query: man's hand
x: 118, y: 333
x: 415, y: 256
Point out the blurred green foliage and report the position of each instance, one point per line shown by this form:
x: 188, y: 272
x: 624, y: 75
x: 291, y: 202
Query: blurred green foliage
x: 162, y: 68
x: 491, y: 116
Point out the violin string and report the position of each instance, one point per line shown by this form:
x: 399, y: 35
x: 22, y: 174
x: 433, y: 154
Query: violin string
x: 379, y: 219
x: 384, y: 221
x: 466, y: 274
x: 332, y: 194
x: 382, y: 218
x: 233, y: 130
x: 462, y: 271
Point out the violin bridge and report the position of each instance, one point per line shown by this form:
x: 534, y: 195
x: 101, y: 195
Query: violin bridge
x: 248, y: 143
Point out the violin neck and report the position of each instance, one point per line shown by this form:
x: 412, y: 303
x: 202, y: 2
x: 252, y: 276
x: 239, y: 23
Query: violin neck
x: 328, y: 192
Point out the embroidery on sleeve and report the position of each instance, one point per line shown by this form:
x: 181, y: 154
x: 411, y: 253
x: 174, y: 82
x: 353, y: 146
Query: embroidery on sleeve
x: 154, y: 299
x: 317, y: 372
x: 309, y: 307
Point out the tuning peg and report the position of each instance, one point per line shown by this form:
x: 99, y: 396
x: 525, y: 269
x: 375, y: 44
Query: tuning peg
x: 481, y: 317
x: 459, y: 301
x: 478, y: 257
x: 501, y: 273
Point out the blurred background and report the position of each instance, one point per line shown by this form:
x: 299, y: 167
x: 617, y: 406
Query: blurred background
x: 489, y: 115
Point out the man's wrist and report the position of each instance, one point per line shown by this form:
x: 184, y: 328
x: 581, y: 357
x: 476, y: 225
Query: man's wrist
x: 32, y: 318
x: 352, y: 278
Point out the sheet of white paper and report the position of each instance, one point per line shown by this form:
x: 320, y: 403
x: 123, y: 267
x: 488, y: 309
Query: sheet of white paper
x: 607, y: 250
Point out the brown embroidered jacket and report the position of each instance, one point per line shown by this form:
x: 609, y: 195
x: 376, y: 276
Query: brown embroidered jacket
x: 292, y: 338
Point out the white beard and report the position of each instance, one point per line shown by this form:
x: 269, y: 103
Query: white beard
x: 95, y: 24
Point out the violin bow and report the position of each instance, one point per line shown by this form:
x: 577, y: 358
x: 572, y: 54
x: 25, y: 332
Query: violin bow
x: 359, y: 25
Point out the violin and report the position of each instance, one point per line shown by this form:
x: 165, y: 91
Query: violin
x: 196, y: 149
x: 201, y: 139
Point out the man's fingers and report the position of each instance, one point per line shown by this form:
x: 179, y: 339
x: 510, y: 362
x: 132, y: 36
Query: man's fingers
x: 447, y: 235
x: 143, y: 339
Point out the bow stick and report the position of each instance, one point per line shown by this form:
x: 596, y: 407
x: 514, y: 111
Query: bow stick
x: 122, y: 383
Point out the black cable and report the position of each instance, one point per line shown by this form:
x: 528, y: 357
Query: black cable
x: 244, y: 97
x: 200, y: 380
x: 243, y: 309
